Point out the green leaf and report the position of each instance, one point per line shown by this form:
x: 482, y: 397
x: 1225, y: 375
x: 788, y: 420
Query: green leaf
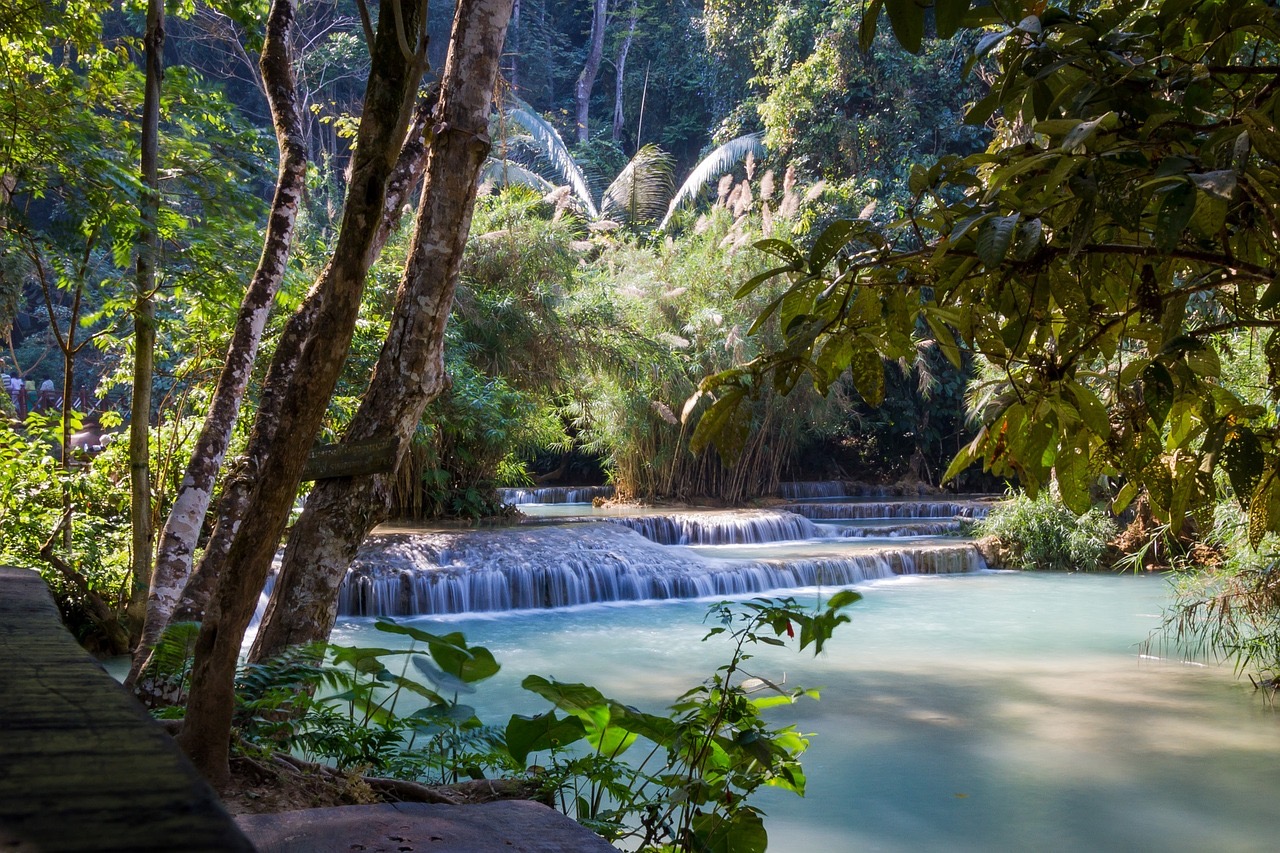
x: 1072, y: 471
x: 867, y: 370
x: 542, y: 732
x: 782, y: 250
x: 907, y: 19
x: 757, y: 280
x: 867, y: 27
x: 715, y: 419
x: 1157, y: 391
x: 1271, y: 296
x: 994, y: 238
x: 947, y: 15
x: 1175, y: 214
x: 1244, y: 461
x: 1092, y: 412
x: 739, y: 831
x: 829, y: 243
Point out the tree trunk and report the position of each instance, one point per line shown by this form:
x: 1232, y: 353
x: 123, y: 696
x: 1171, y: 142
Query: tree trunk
x: 144, y: 322
x: 513, y: 76
x: 620, y: 71
x: 178, y: 540
x: 410, y: 372
x: 396, y: 69
x: 236, y: 486
x: 590, y: 68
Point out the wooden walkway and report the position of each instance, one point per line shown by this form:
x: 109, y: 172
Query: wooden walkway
x: 82, y: 766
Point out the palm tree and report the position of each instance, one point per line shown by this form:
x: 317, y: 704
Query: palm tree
x: 644, y: 191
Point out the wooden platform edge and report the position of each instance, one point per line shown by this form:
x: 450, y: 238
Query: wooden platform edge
x: 83, y: 767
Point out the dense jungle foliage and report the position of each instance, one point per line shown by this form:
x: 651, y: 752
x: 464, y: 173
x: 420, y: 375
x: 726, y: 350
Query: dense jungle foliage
x: 718, y: 244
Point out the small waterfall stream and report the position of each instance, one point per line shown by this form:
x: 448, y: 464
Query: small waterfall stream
x: 655, y: 555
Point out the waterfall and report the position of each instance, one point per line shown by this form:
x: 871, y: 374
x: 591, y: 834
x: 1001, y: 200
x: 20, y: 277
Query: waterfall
x: 941, y: 527
x: 891, y: 509
x: 739, y: 527
x: 561, y: 566
x: 555, y: 495
x: 803, y: 490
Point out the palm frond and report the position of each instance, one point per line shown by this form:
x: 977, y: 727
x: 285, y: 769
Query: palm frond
x: 711, y: 167
x: 642, y: 189
x: 552, y: 148
x: 505, y: 173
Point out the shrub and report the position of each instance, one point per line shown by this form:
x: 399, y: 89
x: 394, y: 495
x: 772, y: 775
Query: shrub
x: 1043, y: 534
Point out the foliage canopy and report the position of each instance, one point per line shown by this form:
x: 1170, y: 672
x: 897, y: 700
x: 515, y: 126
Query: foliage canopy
x: 1124, y: 215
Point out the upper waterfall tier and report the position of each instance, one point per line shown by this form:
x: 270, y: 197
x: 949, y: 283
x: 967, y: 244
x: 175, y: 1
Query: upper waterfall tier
x: 891, y: 509
x: 803, y: 490
x: 555, y: 495
x: 731, y: 527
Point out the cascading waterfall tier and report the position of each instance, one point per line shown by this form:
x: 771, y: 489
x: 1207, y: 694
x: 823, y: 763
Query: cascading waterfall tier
x: 804, y: 490
x: 737, y: 527
x: 940, y: 527
x: 555, y: 495
x: 891, y: 509
x: 560, y: 566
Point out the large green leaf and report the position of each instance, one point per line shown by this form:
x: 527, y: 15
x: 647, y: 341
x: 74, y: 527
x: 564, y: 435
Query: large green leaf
x: 540, y: 733
x: 907, y: 19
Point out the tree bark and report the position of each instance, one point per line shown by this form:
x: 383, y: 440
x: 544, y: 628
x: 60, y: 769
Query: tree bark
x: 282, y: 445
x: 587, y: 79
x: 410, y: 372
x: 178, y: 540
x: 408, y: 171
x: 144, y: 322
x: 619, y: 74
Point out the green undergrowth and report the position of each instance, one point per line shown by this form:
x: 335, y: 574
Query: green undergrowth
x: 679, y: 780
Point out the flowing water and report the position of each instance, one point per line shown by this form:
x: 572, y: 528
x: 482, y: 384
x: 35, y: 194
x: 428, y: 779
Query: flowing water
x: 961, y: 710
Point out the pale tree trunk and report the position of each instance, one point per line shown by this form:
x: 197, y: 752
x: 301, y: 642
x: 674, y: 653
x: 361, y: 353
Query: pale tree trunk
x: 513, y: 74
x: 587, y: 79
x: 237, y: 484
x: 144, y: 322
x: 395, y: 71
x: 410, y: 372
x: 620, y: 71
x: 178, y: 540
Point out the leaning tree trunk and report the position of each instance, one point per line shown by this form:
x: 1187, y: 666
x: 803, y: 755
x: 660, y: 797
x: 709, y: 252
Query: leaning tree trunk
x: 587, y: 79
x: 396, y: 69
x: 237, y: 485
x: 144, y: 322
x: 410, y: 372
x: 178, y: 540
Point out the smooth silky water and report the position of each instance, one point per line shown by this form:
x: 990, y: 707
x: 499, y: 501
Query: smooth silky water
x: 977, y: 712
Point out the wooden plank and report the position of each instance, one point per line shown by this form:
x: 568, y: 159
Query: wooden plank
x: 372, y: 456
x: 82, y: 766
